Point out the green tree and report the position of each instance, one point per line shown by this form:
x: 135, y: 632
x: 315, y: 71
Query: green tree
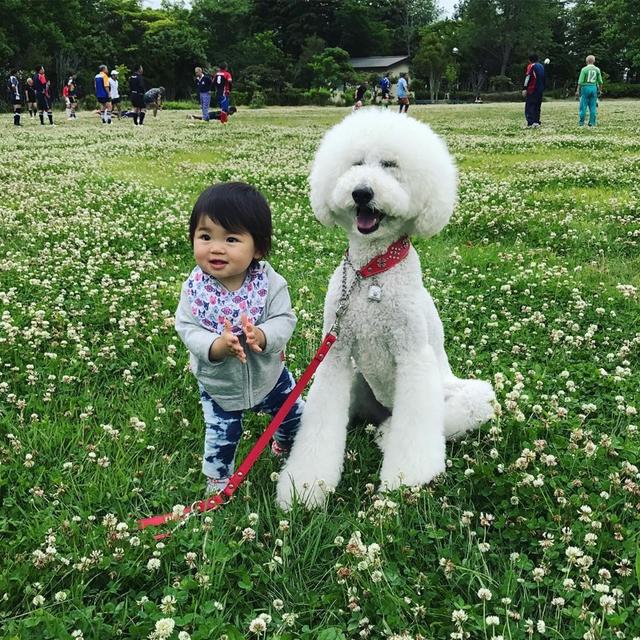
x: 434, y: 57
x: 331, y: 68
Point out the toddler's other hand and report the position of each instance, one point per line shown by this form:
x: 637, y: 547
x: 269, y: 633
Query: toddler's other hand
x: 232, y: 344
x: 251, y: 333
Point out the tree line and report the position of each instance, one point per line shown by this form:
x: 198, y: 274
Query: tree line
x: 278, y: 47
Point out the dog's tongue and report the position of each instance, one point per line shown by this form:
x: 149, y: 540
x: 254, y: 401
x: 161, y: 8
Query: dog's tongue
x: 367, y: 219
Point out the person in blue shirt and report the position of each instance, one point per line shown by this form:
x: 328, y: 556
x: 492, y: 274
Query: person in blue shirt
x: 402, y: 92
x: 533, y: 90
x: 385, y: 89
x: 103, y: 93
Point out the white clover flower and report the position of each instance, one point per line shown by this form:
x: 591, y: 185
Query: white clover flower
x: 38, y: 600
x: 608, y: 603
x: 164, y: 628
x: 484, y: 594
x: 492, y: 621
x: 459, y: 616
x: 257, y: 625
x: 153, y: 564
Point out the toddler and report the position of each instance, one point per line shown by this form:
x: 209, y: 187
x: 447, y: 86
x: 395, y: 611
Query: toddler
x: 235, y: 318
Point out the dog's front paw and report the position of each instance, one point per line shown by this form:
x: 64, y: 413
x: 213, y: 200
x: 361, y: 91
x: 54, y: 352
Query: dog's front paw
x: 393, y: 476
x: 310, y: 492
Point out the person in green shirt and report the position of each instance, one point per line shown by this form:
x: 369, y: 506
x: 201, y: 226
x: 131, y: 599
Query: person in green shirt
x: 589, y: 87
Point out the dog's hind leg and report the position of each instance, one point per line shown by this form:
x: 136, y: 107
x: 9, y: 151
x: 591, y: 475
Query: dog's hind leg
x: 468, y: 404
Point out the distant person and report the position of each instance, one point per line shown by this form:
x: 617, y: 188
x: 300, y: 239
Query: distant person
x: 14, y: 96
x: 223, y: 83
x: 154, y: 98
x: 114, y: 92
x: 70, y: 95
x: 589, y: 87
x: 385, y: 90
x: 212, y: 115
x: 136, y: 95
x: 533, y: 91
x: 103, y: 93
x: 402, y: 92
x: 30, y: 98
x: 359, y: 95
x: 43, y: 94
x: 203, y: 85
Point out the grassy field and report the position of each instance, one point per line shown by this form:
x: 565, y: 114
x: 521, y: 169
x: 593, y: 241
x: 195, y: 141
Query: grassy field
x: 532, y: 533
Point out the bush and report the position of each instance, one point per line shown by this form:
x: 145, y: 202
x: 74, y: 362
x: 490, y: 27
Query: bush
x: 258, y: 100
x: 181, y: 105
x: 319, y: 97
x: 501, y: 83
x: 241, y: 97
x: 621, y: 90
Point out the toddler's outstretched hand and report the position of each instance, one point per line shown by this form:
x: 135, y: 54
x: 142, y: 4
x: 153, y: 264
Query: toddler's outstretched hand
x: 228, y: 345
x: 253, y: 334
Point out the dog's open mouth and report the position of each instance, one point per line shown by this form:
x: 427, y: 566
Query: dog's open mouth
x: 368, y: 219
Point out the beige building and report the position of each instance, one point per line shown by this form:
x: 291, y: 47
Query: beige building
x: 394, y: 65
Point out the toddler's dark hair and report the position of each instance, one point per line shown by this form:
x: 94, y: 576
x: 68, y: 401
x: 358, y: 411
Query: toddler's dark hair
x: 237, y: 207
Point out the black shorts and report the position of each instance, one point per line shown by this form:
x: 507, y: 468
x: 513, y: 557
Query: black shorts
x: 103, y: 100
x: 44, y: 104
x: 115, y: 100
x: 137, y: 100
x: 16, y: 101
x: 385, y: 95
x: 73, y: 99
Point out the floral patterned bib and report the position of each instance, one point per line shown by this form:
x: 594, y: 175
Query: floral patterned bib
x: 212, y: 304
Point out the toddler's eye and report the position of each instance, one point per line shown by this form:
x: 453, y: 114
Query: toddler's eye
x: 232, y: 239
x: 389, y: 164
x: 205, y: 236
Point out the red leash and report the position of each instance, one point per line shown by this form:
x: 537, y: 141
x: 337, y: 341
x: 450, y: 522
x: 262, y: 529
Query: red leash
x: 241, y: 473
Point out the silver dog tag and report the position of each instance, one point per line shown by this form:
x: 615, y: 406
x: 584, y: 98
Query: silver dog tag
x: 375, y: 293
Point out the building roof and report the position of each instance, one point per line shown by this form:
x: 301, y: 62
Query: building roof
x: 377, y: 62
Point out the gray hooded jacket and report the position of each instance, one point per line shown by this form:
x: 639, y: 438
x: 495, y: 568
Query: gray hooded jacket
x: 233, y: 385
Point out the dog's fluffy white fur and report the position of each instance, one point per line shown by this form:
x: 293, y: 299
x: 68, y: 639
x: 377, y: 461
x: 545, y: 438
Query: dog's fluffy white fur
x: 379, y: 176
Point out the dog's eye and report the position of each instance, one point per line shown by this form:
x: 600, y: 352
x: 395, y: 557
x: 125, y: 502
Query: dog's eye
x: 359, y: 163
x: 389, y: 164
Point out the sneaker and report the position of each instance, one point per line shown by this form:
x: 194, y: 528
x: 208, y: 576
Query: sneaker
x: 278, y: 450
x: 216, y: 485
x: 535, y: 125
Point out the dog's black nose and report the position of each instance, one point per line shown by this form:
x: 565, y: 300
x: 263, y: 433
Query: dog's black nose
x: 362, y: 195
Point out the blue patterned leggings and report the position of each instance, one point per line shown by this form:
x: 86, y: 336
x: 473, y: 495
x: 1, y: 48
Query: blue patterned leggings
x: 224, y: 428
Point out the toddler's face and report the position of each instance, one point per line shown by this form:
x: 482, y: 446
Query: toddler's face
x: 223, y: 254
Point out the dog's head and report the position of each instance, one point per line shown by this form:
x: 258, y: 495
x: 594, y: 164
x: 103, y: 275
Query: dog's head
x: 382, y: 174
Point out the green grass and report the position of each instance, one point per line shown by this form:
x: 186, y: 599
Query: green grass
x: 536, y: 281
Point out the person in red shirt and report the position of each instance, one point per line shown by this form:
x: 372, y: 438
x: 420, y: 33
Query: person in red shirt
x: 222, y: 83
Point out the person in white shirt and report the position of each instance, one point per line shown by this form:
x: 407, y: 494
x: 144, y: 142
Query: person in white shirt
x: 114, y: 92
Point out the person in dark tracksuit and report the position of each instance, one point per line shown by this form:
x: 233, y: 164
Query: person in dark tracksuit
x: 43, y: 94
x: 136, y: 94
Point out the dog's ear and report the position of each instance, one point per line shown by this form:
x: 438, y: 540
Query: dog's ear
x: 433, y: 179
x: 323, y: 174
x: 439, y: 204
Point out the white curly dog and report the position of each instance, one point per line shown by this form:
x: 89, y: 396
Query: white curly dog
x: 382, y: 176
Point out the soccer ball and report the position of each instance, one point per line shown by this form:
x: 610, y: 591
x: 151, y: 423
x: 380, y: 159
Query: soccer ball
x: 547, y: 61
